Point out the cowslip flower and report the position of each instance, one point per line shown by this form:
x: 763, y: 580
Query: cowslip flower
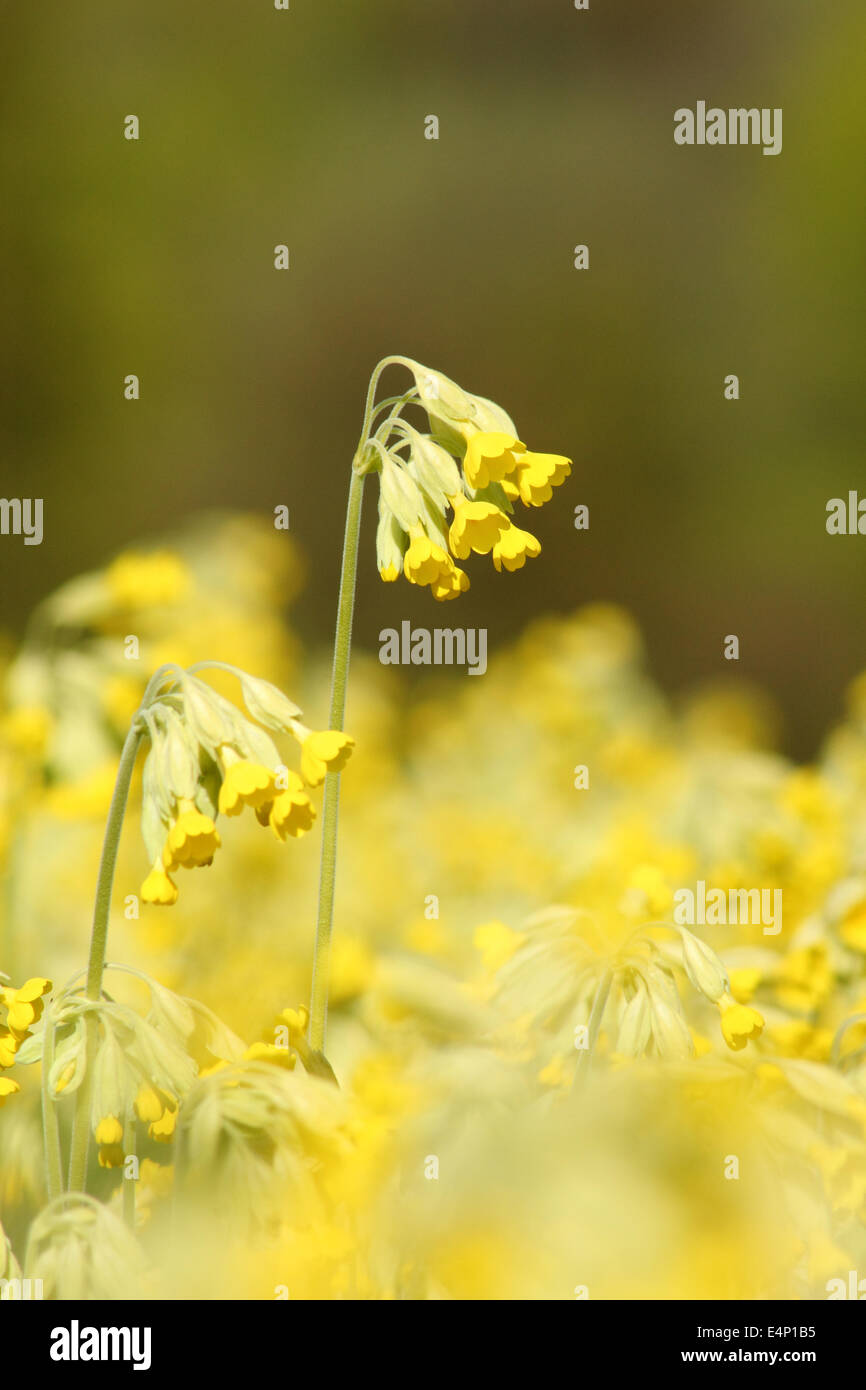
x: 208, y: 759
x: 23, y: 1007
x: 449, y: 492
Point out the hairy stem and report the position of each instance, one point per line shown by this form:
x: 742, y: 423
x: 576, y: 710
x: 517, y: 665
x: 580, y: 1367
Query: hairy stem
x: 129, y: 1149
x: 96, y: 961
x: 599, y: 1004
x: 331, y: 802
x: 50, y: 1126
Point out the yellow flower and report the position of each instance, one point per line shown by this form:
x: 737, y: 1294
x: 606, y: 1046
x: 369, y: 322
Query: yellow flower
x: 158, y: 889
x: 450, y: 584
x: 425, y: 562
x: 513, y: 547
x: 389, y: 573
x: 290, y: 813
x: 137, y: 581
x: 24, y: 1006
x: 490, y: 457
x: 162, y: 1130
x: 326, y: 751
x: 148, y: 1104
x: 192, y: 840
x: 535, y: 477
x: 7, y: 1088
x: 739, y: 1022
x: 245, y: 784
x: 109, y: 1131
x: 476, y: 526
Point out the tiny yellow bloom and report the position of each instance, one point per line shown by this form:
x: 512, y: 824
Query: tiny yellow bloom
x: 452, y: 582
x: 490, y: 457
x: 148, y: 1104
x: 513, y: 547
x: 476, y: 526
x: 425, y: 562
x: 326, y: 751
x: 24, y: 1005
x: 536, y: 475
x: 158, y: 889
x: 296, y: 1020
x: 389, y: 573
x: 109, y: 1131
x: 292, y: 812
x: 739, y: 1022
x: 162, y: 1130
x: 192, y: 840
x: 245, y: 784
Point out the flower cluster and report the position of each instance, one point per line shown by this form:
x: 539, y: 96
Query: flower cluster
x: 206, y: 759
x: 23, y: 1008
x: 471, y: 464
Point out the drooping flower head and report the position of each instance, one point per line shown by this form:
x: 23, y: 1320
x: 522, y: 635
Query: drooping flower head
x: 449, y: 491
x: 208, y: 759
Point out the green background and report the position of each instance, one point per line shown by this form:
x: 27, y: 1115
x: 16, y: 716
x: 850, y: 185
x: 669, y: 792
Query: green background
x: 307, y: 127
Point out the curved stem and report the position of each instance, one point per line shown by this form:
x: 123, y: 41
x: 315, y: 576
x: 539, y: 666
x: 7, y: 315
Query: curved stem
x: 129, y: 1150
x: 331, y: 802
x: 339, y: 678
x: 50, y: 1126
x: 599, y: 1004
x: 96, y: 960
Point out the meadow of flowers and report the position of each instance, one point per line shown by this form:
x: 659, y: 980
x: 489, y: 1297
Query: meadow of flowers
x: 518, y: 1075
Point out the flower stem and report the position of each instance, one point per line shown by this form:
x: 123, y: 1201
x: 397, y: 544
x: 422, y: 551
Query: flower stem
x: 96, y: 961
x: 50, y: 1126
x: 129, y: 1150
x: 331, y: 802
x: 599, y: 1004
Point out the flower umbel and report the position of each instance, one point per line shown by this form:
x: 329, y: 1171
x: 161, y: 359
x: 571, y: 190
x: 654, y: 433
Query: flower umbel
x: 448, y: 492
x: 208, y: 759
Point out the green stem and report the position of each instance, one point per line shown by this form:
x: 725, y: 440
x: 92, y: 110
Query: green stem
x: 361, y: 465
x: 96, y: 961
x: 331, y: 802
x: 50, y: 1126
x: 599, y: 1004
x: 129, y: 1149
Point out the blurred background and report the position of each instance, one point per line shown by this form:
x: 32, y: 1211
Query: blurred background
x: 306, y: 127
